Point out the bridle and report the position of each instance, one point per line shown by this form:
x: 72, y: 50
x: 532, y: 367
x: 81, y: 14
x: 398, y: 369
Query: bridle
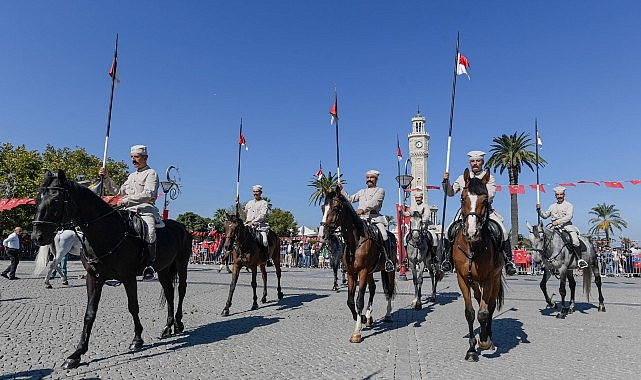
x: 482, y: 217
x: 416, y: 235
x: 336, y: 207
x: 65, y: 219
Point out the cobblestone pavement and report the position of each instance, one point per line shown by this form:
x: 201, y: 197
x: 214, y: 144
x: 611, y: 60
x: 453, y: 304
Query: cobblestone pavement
x: 307, y: 332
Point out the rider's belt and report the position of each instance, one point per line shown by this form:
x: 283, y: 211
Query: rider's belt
x: 371, y: 213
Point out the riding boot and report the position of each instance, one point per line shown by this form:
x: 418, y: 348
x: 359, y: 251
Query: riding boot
x: 446, y: 265
x: 510, y: 269
x: 149, y: 272
x: 580, y: 262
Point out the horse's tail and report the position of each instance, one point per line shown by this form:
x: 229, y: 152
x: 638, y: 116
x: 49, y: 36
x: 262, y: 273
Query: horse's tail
x: 41, y: 260
x: 587, y: 281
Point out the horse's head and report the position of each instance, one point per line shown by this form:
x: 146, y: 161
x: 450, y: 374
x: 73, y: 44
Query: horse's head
x: 234, y: 227
x: 537, y: 237
x: 475, y: 206
x: 54, y: 207
x: 332, y: 214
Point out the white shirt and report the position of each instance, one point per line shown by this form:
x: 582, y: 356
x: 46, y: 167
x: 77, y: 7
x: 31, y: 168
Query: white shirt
x: 12, y: 241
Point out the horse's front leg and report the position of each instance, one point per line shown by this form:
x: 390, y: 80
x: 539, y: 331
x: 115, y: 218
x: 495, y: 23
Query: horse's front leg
x: 572, y: 284
x: 131, y: 287
x: 360, y: 303
x: 371, y: 284
x: 486, y: 309
x: 254, y: 285
x: 168, y: 292
x: 232, y: 287
x: 543, y: 285
x: 417, y: 277
x: 597, y: 281
x: 94, y: 291
x: 335, y: 266
x: 179, y: 327
x: 263, y: 272
x: 351, y: 290
x: 50, y: 268
x: 562, y: 292
x: 471, y: 354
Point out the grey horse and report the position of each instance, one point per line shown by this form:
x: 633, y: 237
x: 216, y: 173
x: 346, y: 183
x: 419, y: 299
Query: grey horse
x: 420, y: 254
x: 551, y: 249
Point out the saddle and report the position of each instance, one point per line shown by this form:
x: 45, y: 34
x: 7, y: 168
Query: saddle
x: 492, y: 225
x: 383, y: 245
x: 567, y: 240
x: 258, y: 238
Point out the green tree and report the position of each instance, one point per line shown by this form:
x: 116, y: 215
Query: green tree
x: 25, y: 168
x: 606, y: 219
x: 281, y: 221
x: 219, y: 219
x: 194, y: 222
x: 322, y: 186
x: 512, y: 152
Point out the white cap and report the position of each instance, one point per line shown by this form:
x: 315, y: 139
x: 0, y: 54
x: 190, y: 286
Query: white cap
x: 418, y: 194
x: 139, y: 149
x: 257, y: 188
x: 559, y: 189
x: 373, y: 172
x: 476, y: 155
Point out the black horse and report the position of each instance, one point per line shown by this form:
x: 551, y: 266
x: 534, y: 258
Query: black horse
x: 336, y: 246
x: 117, y: 252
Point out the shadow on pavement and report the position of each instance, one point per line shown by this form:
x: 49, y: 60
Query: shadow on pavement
x: 28, y: 375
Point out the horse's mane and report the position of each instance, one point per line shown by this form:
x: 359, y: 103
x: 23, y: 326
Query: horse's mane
x: 356, y: 220
x: 83, y: 192
x: 476, y: 186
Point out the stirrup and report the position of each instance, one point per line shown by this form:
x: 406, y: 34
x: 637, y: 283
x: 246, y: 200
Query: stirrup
x: 112, y: 282
x: 510, y: 270
x: 148, y: 274
x: 582, y: 264
x: 389, y: 266
x: 446, y: 266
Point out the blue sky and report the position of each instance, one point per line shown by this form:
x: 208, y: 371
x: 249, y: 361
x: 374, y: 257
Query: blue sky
x: 190, y: 70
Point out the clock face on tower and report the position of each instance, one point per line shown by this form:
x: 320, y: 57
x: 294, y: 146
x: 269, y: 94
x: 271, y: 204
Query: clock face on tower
x: 418, y: 144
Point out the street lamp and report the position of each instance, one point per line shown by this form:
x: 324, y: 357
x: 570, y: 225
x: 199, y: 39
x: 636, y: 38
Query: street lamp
x: 404, y: 181
x: 171, y: 187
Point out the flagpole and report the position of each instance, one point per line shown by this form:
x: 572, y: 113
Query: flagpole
x: 449, y: 138
x: 240, y: 136
x: 111, y: 102
x: 538, y: 184
x: 398, y: 170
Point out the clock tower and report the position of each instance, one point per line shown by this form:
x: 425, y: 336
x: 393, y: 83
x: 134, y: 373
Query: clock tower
x: 419, y: 150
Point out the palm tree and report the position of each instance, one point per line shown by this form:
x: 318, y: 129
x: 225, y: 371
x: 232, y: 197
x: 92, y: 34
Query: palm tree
x: 511, y: 153
x: 322, y: 186
x: 606, y: 219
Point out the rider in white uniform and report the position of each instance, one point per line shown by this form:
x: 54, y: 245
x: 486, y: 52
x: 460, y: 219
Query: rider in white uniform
x: 476, y: 158
x: 561, y: 213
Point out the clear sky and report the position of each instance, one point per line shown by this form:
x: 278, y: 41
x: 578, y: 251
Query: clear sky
x: 190, y: 70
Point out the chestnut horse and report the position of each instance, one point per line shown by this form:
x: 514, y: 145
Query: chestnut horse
x: 363, y: 256
x: 247, y: 252
x: 478, y: 263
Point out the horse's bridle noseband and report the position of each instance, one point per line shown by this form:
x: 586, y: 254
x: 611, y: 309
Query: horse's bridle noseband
x: 65, y: 219
x: 337, y: 210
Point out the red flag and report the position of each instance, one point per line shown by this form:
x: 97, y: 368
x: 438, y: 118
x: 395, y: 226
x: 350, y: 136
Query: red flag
x: 566, y: 184
x: 613, y: 184
x: 538, y: 140
x: 319, y: 173
x: 241, y: 141
x: 635, y: 181
x: 432, y: 187
x: 462, y: 65
x: 540, y: 186
x: 592, y: 182
x: 499, y: 187
x: 516, y: 189
x: 399, y: 153
x: 113, y: 72
x: 334, y: 111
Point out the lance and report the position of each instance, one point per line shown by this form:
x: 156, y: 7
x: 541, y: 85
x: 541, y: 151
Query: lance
x: 334, y: 113
x: 241, y: 142
x: 112, y: 74
x: 538, y: 184
x: 449, y: 139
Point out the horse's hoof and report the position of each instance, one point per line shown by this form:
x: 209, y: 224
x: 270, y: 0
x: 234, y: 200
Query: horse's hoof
x: 486, y: 345
x: 602, y: 308
x: 363, y: 319
x: 225, y: 313
x: 560, y: 315
x: 355, y: 338
x: 48, y: 286
x: 136, y: 345
x: 263, y: 300
x: 571, y: 310
x: 65, y: 282
x: 179, y: 327
x: 418, y: 306
x: 71, y: 363
x: 254, y: 306
x: 369, y: 321
x: 280, y: 295
x: 388, y: 319
x: 166, y: 332
x: 472, y: 356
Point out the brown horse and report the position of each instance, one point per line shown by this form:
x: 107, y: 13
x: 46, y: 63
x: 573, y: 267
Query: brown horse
x: 363, y: 256
x: 247, y: 252
x: 478, y: 262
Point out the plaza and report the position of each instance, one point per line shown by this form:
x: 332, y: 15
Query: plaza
x: 306, y: 334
